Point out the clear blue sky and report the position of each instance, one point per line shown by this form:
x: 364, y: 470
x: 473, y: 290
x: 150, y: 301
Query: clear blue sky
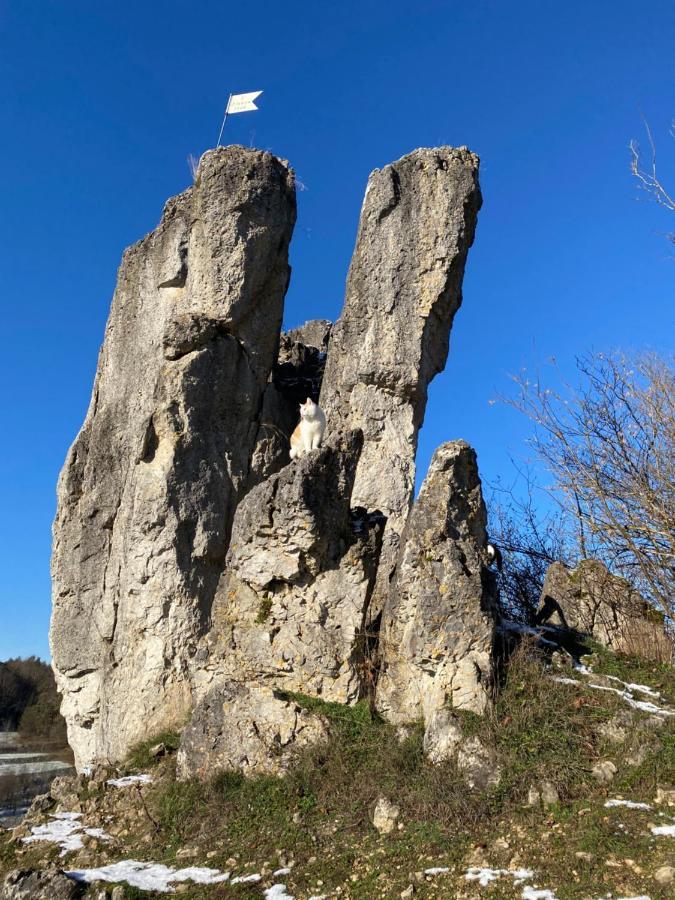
x: 101, y: 103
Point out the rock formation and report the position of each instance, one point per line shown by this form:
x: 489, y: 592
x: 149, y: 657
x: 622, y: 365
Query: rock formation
x: 403, y: 289
x: 150, y: 486
x: 296, y: 376
x: 197, y: 571
x: 438, y: 622
x: 245, y: 728
x: 591, y: 600
x: 290, y: 609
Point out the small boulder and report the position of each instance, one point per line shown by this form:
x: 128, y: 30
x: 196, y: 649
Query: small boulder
x: 46, y: 884
x: 665, y: 796
x: 664, y: 875
x: 385, y: 815
x: 604, y: 771
x: 478, y: 765
x: 442, y: 736
x: 549, y: 794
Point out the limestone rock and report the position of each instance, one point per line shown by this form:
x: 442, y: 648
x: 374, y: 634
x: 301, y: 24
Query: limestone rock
x: 245, y: 728
x: 478, y: 765
x: 442, y: 736
x: 403, y: 289
x: 291, y: 606
x: 297, y: 375
x: 604, y: 771
x: 664, y: 875
x: 591, y: 600
x: 46, y: 884
x: 385, y: 815
x: 149, y: 488
x: 549, y: 794
x: 439, y: 620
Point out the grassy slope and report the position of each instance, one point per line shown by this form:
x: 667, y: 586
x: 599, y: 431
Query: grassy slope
x: 318, y: 816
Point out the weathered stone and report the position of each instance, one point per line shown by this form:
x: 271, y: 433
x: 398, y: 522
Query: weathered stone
x: 591, y: 600
x: 290, y: 608
x: 297, y: 375
x: 533, y: 796
x: 478, y: 765
x: 46, y: 884
x: 617, y: 729
x: 604, y: 771
x: 442, y: 736
x: 664, y: 875
x: 665, y: 796
x: 150, y: 486
x: 404, y: 287
x: 549, y: 794
x: 245, y: 728
x: 385, y: 815
x: 439, y: 620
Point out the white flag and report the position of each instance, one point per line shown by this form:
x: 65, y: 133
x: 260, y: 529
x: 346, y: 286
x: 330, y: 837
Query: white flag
x: 242, y: 102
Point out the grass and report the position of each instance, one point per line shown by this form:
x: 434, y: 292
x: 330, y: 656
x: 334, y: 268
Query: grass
x: 141, y: 757
x: 318, y: 816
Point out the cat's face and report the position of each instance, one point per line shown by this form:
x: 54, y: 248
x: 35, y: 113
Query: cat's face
x: 307, y: 409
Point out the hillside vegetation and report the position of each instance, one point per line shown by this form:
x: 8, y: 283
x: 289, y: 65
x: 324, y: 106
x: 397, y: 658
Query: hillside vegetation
x: 29, y: 702
x: 556, y: 825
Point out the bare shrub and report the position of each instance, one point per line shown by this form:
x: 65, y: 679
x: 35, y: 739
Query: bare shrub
x: 608, y: 444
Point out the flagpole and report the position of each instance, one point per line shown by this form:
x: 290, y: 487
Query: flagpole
x: 224, y: 118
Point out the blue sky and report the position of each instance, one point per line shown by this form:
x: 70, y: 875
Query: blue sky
x: 101, y: 104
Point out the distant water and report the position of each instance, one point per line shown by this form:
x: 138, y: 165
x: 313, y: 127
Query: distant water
x: 24, y: 774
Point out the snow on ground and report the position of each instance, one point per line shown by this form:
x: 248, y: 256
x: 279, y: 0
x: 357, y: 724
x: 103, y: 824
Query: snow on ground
x: 245, y: 879
x: 628, y: 803
x: 149, y: 876
x: 436, y: 870
x: 277, y: 892
x: 484, y: 875
x: 281, y: 872
x: 530, y: 893
x: 129, y: 779
x: 65, y: 830
x: 626, y: 695
x: 665, y: 830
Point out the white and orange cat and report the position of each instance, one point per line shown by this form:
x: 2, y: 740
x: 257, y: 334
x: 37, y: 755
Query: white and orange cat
x: 309, y: 431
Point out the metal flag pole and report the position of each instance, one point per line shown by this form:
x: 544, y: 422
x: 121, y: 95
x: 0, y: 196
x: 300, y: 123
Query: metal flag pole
x: 224, y: 118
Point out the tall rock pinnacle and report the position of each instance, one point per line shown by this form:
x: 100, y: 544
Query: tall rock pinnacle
x: 150, y: 486
x: 403, y: 289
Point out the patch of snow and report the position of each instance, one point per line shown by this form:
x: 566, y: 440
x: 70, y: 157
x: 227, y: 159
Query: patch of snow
x: 436, y: 870
x: 65, y: 830
x: 666, y: 830
x: 640, y: 688
x: 484, y: 875
x: 629, y: 803
x: 277, y: 892
x: 245, y: 879
x: 148, y: 876
x: 129, y: 779
x: 626, y: 695
x: 530, y: 893
x: 281, y: 872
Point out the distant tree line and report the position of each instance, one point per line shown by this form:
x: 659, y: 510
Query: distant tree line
x: 29, y: 702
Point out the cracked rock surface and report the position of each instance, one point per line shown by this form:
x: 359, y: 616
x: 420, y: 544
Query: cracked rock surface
x: 439, y: 620
x: 150, y: 486
x: 403, y: 290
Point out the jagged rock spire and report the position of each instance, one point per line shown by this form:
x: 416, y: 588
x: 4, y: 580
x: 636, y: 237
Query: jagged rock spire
x: 150, y: 486
x: 403, y: 289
